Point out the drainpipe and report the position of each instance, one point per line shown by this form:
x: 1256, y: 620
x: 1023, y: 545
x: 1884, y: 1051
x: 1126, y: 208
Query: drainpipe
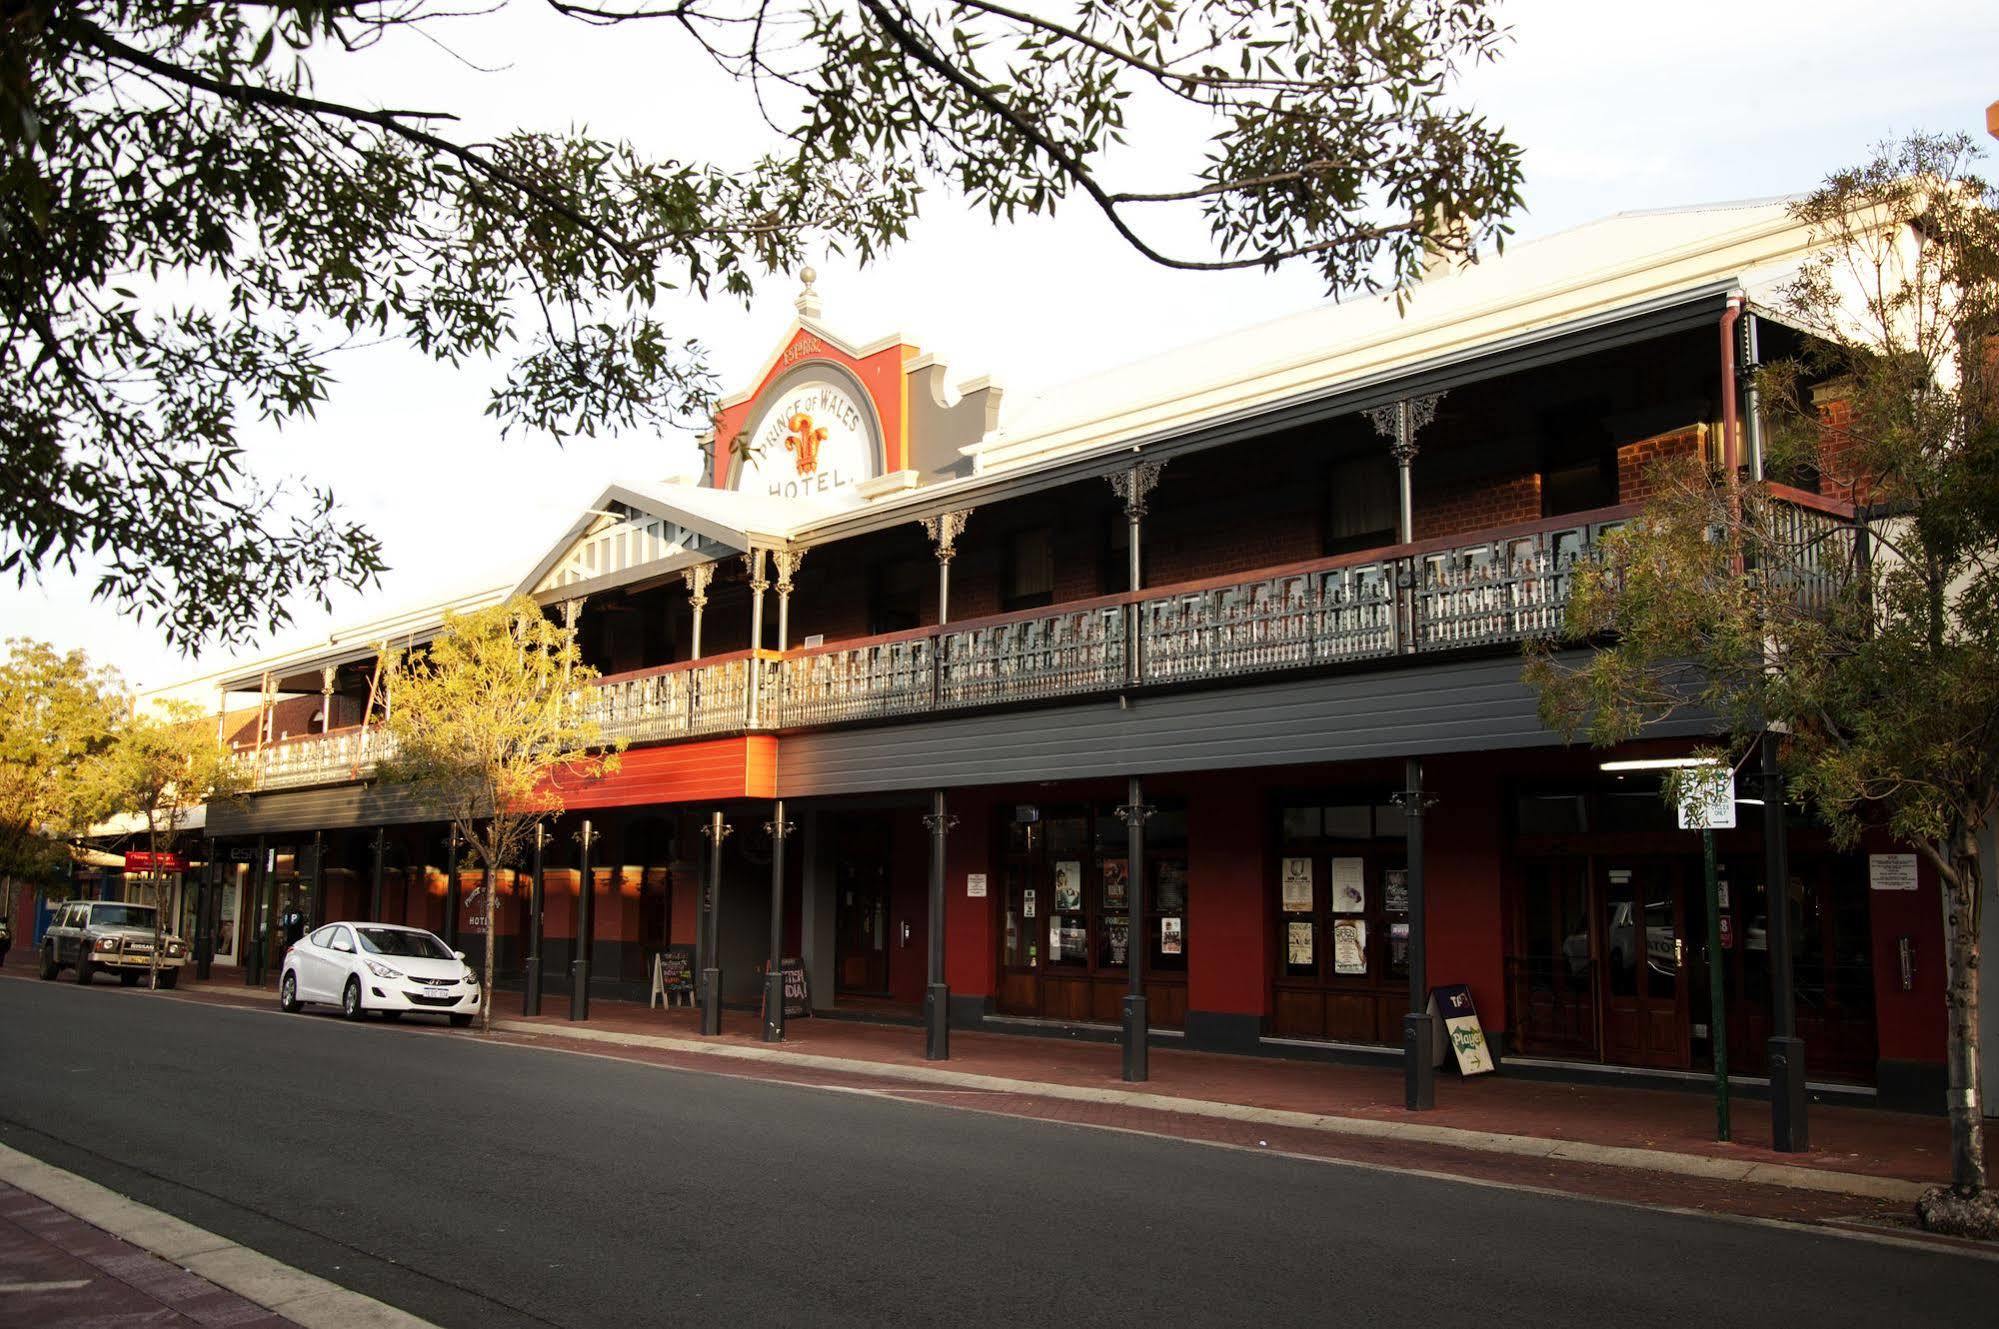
x: 1728, y: 387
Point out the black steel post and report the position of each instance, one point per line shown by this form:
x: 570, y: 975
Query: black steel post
x: 451, y: 888
x: 774, y: 967
x: 205, y: 890
x: 376, y: 872
x: 579, y: 968
x: 937, y: 995
x: 253, y: 973
x: 531, y: 962
x: 1790, y: 1132
x: 1419, y: 1073
x: 710, y: 932
x: 317, y: 914
x: 1137, y: 1029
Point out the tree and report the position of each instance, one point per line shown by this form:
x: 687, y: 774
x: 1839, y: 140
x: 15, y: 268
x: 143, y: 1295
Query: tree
x: 487, y: 722
x: 161, y: 766
x: 57, y: 712
x: 1876, y: 651
x: 189, y: 228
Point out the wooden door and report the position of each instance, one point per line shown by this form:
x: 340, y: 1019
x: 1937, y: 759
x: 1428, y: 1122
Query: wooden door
x: 1641, y: 921
x: 860, y: 908
x: 1552, y: 970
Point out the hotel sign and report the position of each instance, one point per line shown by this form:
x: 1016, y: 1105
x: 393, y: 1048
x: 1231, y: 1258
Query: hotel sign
x: 813, y: 438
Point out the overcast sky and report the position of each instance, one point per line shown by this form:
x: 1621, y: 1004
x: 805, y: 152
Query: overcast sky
x: 1617, y: 106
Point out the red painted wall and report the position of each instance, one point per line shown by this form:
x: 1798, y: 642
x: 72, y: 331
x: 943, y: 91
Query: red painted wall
x: 909, y: 902
x: 1228, y: 924
x: 682, y: 773
x: 1464, y: 853
x: 970, y: 954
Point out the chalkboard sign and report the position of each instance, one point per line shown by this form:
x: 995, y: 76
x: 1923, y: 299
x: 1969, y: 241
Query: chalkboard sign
x: 797, y: 993
x: 677, y: 971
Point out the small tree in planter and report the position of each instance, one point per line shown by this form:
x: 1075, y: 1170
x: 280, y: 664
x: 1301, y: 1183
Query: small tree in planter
x: 486, y: 718
x: 161, y: 766
x: 1885, y: 681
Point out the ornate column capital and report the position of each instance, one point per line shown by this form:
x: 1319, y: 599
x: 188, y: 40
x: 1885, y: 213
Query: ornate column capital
x: 944, y: 530
x: 1135, y: 486
x: 753, y: 563
x: 698, y: 579
x: 1400, y: 421
x: 786, y: 562
x: 572, y: 609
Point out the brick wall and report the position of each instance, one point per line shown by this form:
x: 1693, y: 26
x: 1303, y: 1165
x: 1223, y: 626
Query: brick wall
x: 1838, y: 468
x: 1636, y: 476
x: 1451, y: 506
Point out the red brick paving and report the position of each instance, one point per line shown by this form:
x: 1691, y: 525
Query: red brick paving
x: 121, y: 1285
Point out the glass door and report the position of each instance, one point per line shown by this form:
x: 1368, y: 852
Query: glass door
x: 1552, y: 971
x: 1641, y: 914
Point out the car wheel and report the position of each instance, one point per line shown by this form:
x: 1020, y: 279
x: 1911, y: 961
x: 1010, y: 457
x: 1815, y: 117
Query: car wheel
x: 288, y: 994
x: 350, y: 1000
x: 49, y: 968
x: 85, y: 971
x: 126, y: 978
x: 460, y: 1020
x: 169, y: 978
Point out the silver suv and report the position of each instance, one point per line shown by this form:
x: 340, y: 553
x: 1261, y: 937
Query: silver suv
x: 92, y: 935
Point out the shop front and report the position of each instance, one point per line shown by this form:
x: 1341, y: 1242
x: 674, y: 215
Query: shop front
x: 1609, y: 948
x: 1065, y: 890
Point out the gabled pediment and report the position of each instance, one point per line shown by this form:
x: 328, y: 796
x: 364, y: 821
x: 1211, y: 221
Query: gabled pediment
x: 620, y: 542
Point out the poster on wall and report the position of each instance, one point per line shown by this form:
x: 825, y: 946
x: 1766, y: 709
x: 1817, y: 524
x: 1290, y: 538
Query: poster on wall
x: 1068, y: 886
x: 1891, y: 872
x: 1170, y: 938
x: 1170, y: 888
x: 1298, y: 944
x: 1054, y: 940
x: 1350, y: 946
x: 1349, y: 886
x: 1117, y: 939
x: 1395, y: 890
x: 1297, y: 885
x: 1074, y: 941
x: 1116, y: 883
x: 1027, y: 903
x: 975, y: 885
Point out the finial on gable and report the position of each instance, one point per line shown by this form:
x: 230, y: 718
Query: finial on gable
x: 808, y: 296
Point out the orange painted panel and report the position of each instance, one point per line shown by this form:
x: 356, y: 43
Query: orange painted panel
x: 881, y: 373
x: 682, y: 773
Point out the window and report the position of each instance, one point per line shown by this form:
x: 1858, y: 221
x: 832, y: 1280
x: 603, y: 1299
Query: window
x: 324, y: 938
x: 122, y: 916
x: 403, y: 941
x: 895, y: 600
x: 1577, y: 485
x: 1068, y: 886
x: 1363, y: 501
x: 1342, y: 894
x: 342, y: 940
x: 1030, y: 569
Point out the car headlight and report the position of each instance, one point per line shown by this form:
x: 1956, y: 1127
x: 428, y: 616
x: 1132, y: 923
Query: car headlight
x: 106, y: 944
x: 470, y: 978
x: 383, y: 971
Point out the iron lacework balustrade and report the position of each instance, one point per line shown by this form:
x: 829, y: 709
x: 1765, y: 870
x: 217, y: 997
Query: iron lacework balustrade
x: 1428, y: 598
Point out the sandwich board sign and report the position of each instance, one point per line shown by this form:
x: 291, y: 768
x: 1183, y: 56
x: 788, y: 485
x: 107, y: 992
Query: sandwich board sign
x: 1463, y: 1034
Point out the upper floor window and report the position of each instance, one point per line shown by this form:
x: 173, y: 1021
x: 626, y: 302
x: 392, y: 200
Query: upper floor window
x: 896, y: 597
x: 1030, y: 569
x: 1361, y: 503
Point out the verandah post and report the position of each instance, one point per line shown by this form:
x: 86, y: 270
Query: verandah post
x: 937, y: 995
x: 1419, y: 1079
x: 1136, y: 1028
x: 773, y: 1021
x: 708, y: 932
x: 579, y: 968
x: 1790, y: 1132
x: 531, y: 968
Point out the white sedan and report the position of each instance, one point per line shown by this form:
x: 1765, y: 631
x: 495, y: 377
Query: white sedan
x: 362, y: 967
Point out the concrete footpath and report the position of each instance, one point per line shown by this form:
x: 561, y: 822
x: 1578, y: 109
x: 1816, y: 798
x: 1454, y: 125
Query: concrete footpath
x: 1865, y: 1153
x: 73, y: 1253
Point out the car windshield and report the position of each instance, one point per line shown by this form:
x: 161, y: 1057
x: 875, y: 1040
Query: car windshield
x: 395, y: 941
x: 121, y: 916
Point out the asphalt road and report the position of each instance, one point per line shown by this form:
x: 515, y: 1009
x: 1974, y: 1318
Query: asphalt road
x: 491, y: 1185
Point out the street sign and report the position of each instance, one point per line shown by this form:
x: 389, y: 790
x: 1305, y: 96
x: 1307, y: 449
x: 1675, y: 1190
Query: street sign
x: 1891, y: 872
x: 975, y: 885
x: 1707, y: 799
x: 1462, y: 1031
x: 139, y: 860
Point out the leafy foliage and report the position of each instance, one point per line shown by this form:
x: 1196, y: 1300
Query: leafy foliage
x: 1877, y: 651
x: 57, y: 714
x: 188, y: 228
x: 487, y: 724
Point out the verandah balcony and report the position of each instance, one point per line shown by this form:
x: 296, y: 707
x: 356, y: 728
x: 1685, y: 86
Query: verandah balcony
x: 1427, y: 598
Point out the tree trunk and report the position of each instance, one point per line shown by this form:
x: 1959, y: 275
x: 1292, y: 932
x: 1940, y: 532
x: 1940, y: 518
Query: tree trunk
x: 486, y: 983
x: 153, y: 875
x: 1961, y: 928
